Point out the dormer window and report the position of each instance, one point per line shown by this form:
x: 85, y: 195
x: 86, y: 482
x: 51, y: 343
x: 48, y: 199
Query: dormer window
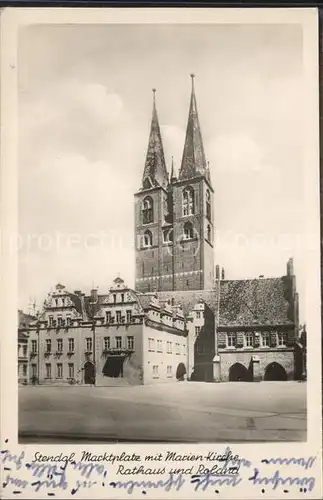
x: 188, y: 201
x: 147, y: 210
x: 188, y: 231
x: 208, y: 204
x: 147, y: 239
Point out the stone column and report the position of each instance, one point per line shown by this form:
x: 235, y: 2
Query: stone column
x: 256, y: 368
x: 216, y: 368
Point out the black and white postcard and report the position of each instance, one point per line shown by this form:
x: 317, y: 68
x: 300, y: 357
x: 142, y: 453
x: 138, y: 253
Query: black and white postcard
x: 160, y: 221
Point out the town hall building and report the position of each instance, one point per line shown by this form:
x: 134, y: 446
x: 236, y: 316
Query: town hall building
x: 183, y: 319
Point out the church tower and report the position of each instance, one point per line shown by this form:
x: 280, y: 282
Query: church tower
x: 153, y: 220
x: 193, y: 260
x: 174, y: 216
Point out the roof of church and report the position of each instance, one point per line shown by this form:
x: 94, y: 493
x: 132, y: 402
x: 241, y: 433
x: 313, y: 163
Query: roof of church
x: 155, y: 171
x: 193, y: 161
x: 188, y: 299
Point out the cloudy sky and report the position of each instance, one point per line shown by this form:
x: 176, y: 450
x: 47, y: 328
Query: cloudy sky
x: 85, y: 105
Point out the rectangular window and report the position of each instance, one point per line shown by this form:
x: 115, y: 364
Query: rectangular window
x: 169, y: 371
x: 130, y: 343
x: 70, y: 345
x: 24, y: 350
x: 88, y: 344
x: 24, y: 370
x: 151, y: 344
x: 265, y: 339
x: 281, y: 339
x: 249, y: 339
x: 59, y: 370
x: 34, y: 370
x: 197, y: 331
x: 118, y: 316
x: 159, y: 346
x: 118, y: 342
x: 48, y: 345
x: 169, y: 347
x: 122, y: 297
x: 59, y: 345
x: 70, y: 370
x: 107, y: 343
x: 68, y: 321
x: 59, y: 321
x: 128, y: 316
x: 231, y: 339
x: 34, y: 346
x: 198, y: 314
x: 48, y: 370
x: 108, y: 316
x: 155, y: 371
x: 114, y: 298
x: 51, y: 320
x: 177, y: 348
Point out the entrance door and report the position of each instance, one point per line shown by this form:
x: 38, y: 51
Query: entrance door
x: 89, y: 374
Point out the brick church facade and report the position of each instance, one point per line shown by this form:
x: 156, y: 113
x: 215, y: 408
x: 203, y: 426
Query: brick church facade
x: 183, y: 319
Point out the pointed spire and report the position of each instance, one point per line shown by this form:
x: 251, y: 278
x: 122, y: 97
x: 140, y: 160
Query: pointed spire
x: 193, y: 162
x: 172, y: 172
x: 155, y: 172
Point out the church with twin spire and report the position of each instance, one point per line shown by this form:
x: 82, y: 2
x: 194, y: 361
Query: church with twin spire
x: 183, y: 319
x: 174, y: 224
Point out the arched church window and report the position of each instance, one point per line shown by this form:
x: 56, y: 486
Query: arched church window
x: 147, y: 239
x: 209, y: 232
x: 208, y: 204
x: 168, y: 235
x: 188, y: 231
x: 147, y: 210
x: 188, y: 201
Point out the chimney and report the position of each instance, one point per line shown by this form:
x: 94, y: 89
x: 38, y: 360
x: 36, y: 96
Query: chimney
x: 290, y: 267
x: 77, y: 292
x: 222, y: 274
x: 261, y: 276
x: 94, y: 295
x: 217, y: 272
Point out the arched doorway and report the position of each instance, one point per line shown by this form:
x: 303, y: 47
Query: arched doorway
x: 275, y: 371
x: 89, y: 373
x: 181, y: 371
x: 238, y: 373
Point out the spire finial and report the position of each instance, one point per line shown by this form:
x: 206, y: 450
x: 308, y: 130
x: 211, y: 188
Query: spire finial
x: 192, y: 77
x: 154, y: 95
